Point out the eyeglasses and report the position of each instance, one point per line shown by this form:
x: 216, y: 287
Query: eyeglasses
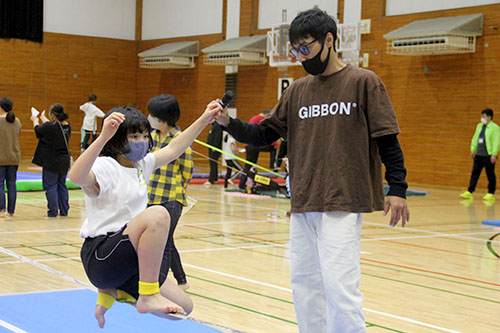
x: 303, y: 48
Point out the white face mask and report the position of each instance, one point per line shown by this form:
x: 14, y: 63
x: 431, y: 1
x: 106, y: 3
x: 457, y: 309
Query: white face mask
x: 154, y: 122
x: 484, y: 120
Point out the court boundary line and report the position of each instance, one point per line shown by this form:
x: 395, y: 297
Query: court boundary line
x: 460, y: 235
x: 11, y: 327
x: 443, y: 234
x: 92, y: 288
x: 410, y: 320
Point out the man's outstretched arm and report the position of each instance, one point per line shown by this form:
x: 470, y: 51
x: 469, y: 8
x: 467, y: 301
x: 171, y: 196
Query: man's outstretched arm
x: 255, y: 134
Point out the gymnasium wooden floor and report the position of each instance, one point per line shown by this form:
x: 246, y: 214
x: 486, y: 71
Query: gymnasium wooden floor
x: 436, y: 275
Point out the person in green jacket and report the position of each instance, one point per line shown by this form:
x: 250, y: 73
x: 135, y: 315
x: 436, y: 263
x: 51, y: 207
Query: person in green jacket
x: 484, y: 149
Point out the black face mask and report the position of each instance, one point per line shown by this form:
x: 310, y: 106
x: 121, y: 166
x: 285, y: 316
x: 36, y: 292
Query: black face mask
x: 315, y: 66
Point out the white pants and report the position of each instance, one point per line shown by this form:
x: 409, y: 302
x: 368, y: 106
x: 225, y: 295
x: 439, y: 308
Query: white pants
x: 325, y: 271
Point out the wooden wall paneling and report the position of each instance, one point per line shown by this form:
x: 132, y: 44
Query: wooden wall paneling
x: 438, y: 99
x: 66, y: 69
x: 193, y: 88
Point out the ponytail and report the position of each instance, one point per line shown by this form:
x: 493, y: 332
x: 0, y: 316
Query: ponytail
x: 58, y: 111
x: 11, y: 117
x: 6, y: 105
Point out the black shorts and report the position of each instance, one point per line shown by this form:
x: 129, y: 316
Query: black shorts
x: 110, y: 261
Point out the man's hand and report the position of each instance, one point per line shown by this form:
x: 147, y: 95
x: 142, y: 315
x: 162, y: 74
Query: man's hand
x: 223, y: 118
x: 472, y: 154
x: 399, y: 210
x: 493, y: 159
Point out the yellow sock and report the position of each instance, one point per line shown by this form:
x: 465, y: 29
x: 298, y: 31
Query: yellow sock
x: 149, y: 288
x: 105, y: 300
x: 124, y: 297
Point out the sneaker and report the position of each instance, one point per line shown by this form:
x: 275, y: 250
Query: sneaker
x: 466, y: 202
x: 466, y: 195
x: 207, y: 183
x: 489, y: 197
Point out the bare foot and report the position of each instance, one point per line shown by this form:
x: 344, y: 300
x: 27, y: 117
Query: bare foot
x: 184, y: 286
x: 101, y: 310
x: 99, y: 315
x: 157, y: 304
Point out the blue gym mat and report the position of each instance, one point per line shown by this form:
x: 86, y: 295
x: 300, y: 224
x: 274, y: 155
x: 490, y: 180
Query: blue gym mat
x: 29, y: 175
x: 73, y: 311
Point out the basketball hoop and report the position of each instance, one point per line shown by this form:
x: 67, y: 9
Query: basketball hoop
x: 278, y: 46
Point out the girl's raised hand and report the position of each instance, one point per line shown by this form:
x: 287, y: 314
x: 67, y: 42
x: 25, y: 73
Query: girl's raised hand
x: 213, y: 110
x: 111, y: 124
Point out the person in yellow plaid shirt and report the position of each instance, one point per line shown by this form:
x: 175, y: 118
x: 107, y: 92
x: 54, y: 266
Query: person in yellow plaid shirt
x: 167, y: 185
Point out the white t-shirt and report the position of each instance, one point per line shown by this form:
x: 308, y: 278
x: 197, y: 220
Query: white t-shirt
x: 91, y: 111
x: 123, y: 195
x: 226, y: 147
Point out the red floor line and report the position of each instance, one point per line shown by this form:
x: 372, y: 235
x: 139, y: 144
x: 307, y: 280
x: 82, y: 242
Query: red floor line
x: 435, y: 249
x: 432, y: 272
x: 233, y: 234
x: 229, y: 215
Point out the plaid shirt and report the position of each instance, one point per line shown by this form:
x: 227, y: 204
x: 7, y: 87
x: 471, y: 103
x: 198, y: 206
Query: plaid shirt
x: 169, y: 182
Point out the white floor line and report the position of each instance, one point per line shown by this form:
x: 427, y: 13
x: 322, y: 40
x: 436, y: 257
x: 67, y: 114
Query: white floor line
x: 233, y: 248
x: 11, y: 327
x: 245, y: 205
x: 40, y: 260
x: 233, y: 222
x: 46, y: 268
x: 35, y: 231
x: 429, y: 236
x: 237, y: 277
x: 427, y: 231
x: 85, y: 285
x: 413, y: 321
x: 41, y: 292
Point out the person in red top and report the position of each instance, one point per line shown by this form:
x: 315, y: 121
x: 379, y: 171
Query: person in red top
x: 252, y: 152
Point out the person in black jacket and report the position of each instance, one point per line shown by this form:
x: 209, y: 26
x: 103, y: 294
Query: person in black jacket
x: 52, y: 154
x: 214, y: 138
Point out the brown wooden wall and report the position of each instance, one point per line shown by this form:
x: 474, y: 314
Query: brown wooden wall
x: 193, y: 88
x: 40, y: 75
x: 437, y: 107
x: 438, y: 99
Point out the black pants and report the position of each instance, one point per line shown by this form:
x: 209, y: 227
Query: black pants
x: 171, y: 257
x: 110, y: 261
x: 272, y: 154
x: 252, y: 154
x: 214, y: 172
x: 481, y: 162
x: 282, y: 152
x: 231, y: 164
x: 88, y: 139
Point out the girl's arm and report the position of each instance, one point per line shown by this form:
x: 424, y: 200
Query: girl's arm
x: 43, y: 117
x: 35, y: 121
x: 80, y: 174
x: 179, y: 145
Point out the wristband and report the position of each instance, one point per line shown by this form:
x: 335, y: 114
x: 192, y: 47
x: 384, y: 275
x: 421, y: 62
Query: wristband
x: 105, y: 300
x: 149, y: 288
x: 124, y: 297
